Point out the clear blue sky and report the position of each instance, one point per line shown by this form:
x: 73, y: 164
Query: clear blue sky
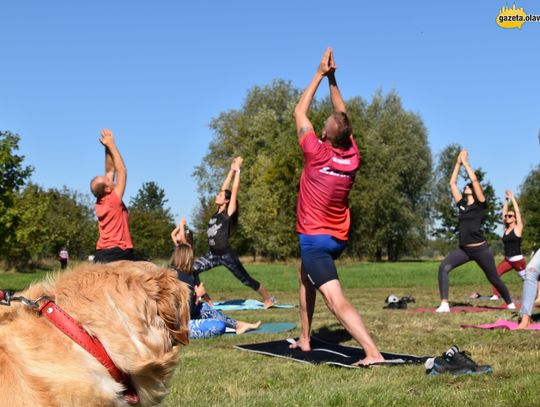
x: 156, y: 73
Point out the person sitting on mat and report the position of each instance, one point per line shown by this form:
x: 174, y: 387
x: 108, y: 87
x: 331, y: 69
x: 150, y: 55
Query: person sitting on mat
x: 472, y: 243
x: 530, y: 289
x: 205, y: 321
x: 513, y: 230
x: 219, y: 229
x: 323, y: 216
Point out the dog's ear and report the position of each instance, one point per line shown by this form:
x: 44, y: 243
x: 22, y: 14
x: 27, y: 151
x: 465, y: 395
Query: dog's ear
x: 173, y: 305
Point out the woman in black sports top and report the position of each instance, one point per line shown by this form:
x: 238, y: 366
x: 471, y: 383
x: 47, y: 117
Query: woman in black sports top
x: 472, y: 242
x: 513, y: 230
x: 219, y: 228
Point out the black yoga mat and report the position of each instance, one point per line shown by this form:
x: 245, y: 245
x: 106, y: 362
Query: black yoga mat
x: 326, y: 353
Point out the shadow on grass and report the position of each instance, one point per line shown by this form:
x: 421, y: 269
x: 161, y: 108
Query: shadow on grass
x: 334, y: 333
x: 535, y: 317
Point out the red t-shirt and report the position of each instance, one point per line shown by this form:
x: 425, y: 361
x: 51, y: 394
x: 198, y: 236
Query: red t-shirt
x: 325, y: 183
x: 113, y: 222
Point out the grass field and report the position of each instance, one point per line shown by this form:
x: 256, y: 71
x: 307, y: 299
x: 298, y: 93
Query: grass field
x: 212, y: 373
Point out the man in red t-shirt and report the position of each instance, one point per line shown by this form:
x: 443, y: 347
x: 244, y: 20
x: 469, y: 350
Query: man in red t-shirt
x: 114, y: 241
x: 323, y: 217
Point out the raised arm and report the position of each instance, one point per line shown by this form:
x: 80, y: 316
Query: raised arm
x: 227, y: 183
x: 456, y: 193
x: 335, y: 94
x: 235, y: 167
x: 178, y: 235
x: 507, y: 195
x: 478, y: 191
x: 120, y: 170
x: 109, y: 165
x: 303, y: 124
x: 519, y: 221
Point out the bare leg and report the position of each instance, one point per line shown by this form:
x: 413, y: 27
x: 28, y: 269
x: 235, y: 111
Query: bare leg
x: 306, y: 306
x: 351, y: 320
x: 243, y: 327
x: 265, y: 296
x: 525, y: 322
x: 537, y: 301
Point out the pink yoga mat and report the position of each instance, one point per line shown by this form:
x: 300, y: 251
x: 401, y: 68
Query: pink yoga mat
x: 460, y: 309
x: 503, y: 324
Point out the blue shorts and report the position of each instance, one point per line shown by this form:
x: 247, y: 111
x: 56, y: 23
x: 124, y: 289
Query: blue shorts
x: 318, y: 253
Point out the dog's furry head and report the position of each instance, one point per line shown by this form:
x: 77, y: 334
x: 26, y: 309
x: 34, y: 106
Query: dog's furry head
x: 138, y: 311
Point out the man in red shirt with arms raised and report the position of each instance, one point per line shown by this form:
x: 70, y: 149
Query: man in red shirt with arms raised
x: 323, y: 216
x: 114, y: 241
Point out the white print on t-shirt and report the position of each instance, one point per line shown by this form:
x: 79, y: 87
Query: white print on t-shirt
x: 212, y: 231
x: 328, y: 171
x: 344, y: 161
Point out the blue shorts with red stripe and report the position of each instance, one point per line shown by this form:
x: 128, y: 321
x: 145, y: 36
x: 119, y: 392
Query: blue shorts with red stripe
x: 318, y: 253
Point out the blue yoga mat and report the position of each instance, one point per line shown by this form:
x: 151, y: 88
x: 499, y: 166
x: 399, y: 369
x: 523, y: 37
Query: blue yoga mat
x: 239, y: 305
x: 272, y: 328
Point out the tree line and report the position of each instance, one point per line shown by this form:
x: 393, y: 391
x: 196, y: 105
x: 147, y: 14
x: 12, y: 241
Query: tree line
x: 400, y: 203
x: 36, y: 223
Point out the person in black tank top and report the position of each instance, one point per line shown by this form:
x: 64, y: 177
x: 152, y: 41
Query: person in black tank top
x: 219, y: 228
x: 472, y: 243
x: 513, y: 230
x: 205, y: 321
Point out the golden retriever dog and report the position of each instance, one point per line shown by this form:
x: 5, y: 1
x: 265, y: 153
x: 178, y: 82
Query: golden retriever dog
x: 138, y: 311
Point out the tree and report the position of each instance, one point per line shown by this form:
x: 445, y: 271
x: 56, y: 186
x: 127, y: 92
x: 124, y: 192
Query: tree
x: 48, y: 220
x: 150, y: 222
x: 529, y: 203
x: 13, y: 175
x: 444, y: 206
x: 390, y: 199
x: 263, y: 133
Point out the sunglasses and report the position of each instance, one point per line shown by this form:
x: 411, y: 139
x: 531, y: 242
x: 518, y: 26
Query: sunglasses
x: 508, y: 216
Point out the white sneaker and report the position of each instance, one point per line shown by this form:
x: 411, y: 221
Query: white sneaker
x: 511, y: 306
x: 494, y: 298
x: 444, y: 307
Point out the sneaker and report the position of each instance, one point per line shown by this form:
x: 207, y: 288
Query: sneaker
x: 494, y: 298
x: 511, y: 306
x: 456, y: 363
x: 444, y: 307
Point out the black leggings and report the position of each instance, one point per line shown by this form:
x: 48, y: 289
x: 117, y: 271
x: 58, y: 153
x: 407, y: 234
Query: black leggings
x: 229, y: 260
x: 483, y: 256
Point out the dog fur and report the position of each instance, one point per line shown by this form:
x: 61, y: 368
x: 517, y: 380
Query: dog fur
x: 138, y: 311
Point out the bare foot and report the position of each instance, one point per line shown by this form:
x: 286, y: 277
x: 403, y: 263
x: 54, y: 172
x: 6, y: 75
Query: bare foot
x: 302, y: 344
x: 525, y: 322
x: 243, y: 327
x: 270, y: 302
x: 369, y: 361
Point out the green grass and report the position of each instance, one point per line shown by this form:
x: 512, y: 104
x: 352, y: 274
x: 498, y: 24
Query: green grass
x: 212, y: 373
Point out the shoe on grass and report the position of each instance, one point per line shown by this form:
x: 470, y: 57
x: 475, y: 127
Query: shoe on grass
x: 456, y: 363
x: 494, y: 298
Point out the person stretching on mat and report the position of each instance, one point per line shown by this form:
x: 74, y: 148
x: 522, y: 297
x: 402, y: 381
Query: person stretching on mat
x: 205, y: 322
x: 219, y: 229
x: 323, y: 216
x: 114, y: 241
x: 472, y: 243
x: 513, y: 230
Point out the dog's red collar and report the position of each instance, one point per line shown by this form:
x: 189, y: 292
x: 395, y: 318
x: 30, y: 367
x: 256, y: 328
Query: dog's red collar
x: 63, y: 321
